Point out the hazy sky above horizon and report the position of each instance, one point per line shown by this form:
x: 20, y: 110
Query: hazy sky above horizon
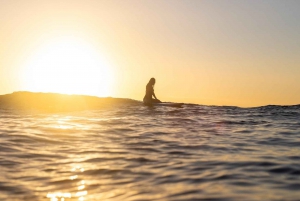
x: 221, y: 52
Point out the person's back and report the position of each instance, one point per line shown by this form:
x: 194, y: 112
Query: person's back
x: 149, y: 91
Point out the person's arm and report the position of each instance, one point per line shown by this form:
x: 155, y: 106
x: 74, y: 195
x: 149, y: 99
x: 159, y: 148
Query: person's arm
x: 155, y: 96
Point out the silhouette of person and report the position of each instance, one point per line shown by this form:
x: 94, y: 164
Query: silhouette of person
x: 148, y: 100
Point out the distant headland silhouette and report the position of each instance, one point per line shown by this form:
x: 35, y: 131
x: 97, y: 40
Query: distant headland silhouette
x: 55, y: 102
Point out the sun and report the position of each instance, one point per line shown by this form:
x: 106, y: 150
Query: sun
x: 68, y: 65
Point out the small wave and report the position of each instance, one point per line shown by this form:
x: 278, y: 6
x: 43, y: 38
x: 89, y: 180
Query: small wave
x: 196, y: 152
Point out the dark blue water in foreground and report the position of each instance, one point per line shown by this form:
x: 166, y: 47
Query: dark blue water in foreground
x: 133, y: 152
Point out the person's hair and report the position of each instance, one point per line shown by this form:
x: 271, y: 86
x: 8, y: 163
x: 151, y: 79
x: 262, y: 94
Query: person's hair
x: 152, y: 80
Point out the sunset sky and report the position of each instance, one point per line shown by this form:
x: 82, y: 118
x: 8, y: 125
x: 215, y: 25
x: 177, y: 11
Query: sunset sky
x: 221, y: 52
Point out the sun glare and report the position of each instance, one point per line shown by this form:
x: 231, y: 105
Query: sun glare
x: 70, y: 66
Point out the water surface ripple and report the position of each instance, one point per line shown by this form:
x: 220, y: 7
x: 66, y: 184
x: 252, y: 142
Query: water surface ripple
x: 139, y: 153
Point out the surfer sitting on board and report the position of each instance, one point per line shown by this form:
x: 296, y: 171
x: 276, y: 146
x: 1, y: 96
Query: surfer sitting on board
x: 148, y: 100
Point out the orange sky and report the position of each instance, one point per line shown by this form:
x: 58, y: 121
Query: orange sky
x: 241, y: 53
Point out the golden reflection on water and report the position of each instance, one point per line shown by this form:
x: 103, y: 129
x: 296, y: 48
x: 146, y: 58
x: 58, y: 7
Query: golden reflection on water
x: 66, y: 123
x: 62, y: 123
x: 79, y: 194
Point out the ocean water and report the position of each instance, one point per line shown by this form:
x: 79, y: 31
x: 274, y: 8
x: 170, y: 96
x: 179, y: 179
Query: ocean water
x: 132, y: 152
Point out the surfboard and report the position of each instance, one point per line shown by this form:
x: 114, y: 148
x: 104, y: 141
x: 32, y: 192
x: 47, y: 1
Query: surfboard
x: 168, y: 104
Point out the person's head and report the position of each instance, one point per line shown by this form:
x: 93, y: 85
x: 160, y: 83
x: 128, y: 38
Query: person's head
x: 152, y: 81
